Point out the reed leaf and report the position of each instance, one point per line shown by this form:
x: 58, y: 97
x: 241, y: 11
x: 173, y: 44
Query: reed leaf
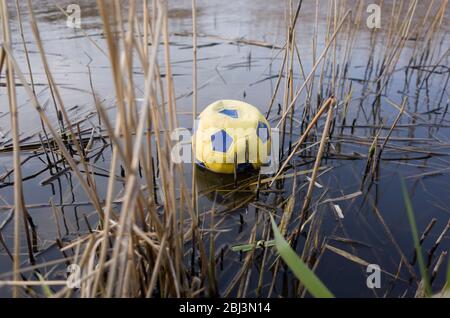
x: 415, y: 234
x: 306, y: 276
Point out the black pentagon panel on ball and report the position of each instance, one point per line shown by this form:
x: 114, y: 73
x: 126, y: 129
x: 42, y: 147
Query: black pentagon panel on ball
x: 229, y: 112
x: 263, y: 132
x: 221, y: 141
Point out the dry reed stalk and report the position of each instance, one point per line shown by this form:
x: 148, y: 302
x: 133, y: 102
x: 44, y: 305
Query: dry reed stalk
x: 403, y: 257
x: 277, y: 85
x: 131, y: 185
x: 25, y: 47
x: 177, y: 226
x: 314, y: 56
x: 320, y: 152
x: 308, y: 78
x: 106, y: 221
x: 194, y: 97
x: 115, y: 65
x: 397, y: 119
x: 85, y: 184
x: 196, y: 236
x: 289, y: 73
x: 19, y: 210
x: 168, y: 188
x: 302, y: 139
x: 85, y: 34
x: 62, y: 148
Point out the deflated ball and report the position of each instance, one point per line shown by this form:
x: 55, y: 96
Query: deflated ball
x: 231, y: 136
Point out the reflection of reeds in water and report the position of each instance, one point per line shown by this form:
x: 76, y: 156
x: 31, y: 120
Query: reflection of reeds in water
x: 154, y: 244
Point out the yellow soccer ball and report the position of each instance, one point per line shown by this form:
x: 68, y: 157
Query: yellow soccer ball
x: 231, y: 136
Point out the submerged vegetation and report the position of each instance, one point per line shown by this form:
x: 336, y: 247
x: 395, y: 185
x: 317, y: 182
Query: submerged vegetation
x: 156, y: 228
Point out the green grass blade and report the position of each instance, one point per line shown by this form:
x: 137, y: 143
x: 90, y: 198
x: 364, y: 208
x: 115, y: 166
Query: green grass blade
x: 415, y: 234
x: 45, y: 288
x: 311, y: 282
